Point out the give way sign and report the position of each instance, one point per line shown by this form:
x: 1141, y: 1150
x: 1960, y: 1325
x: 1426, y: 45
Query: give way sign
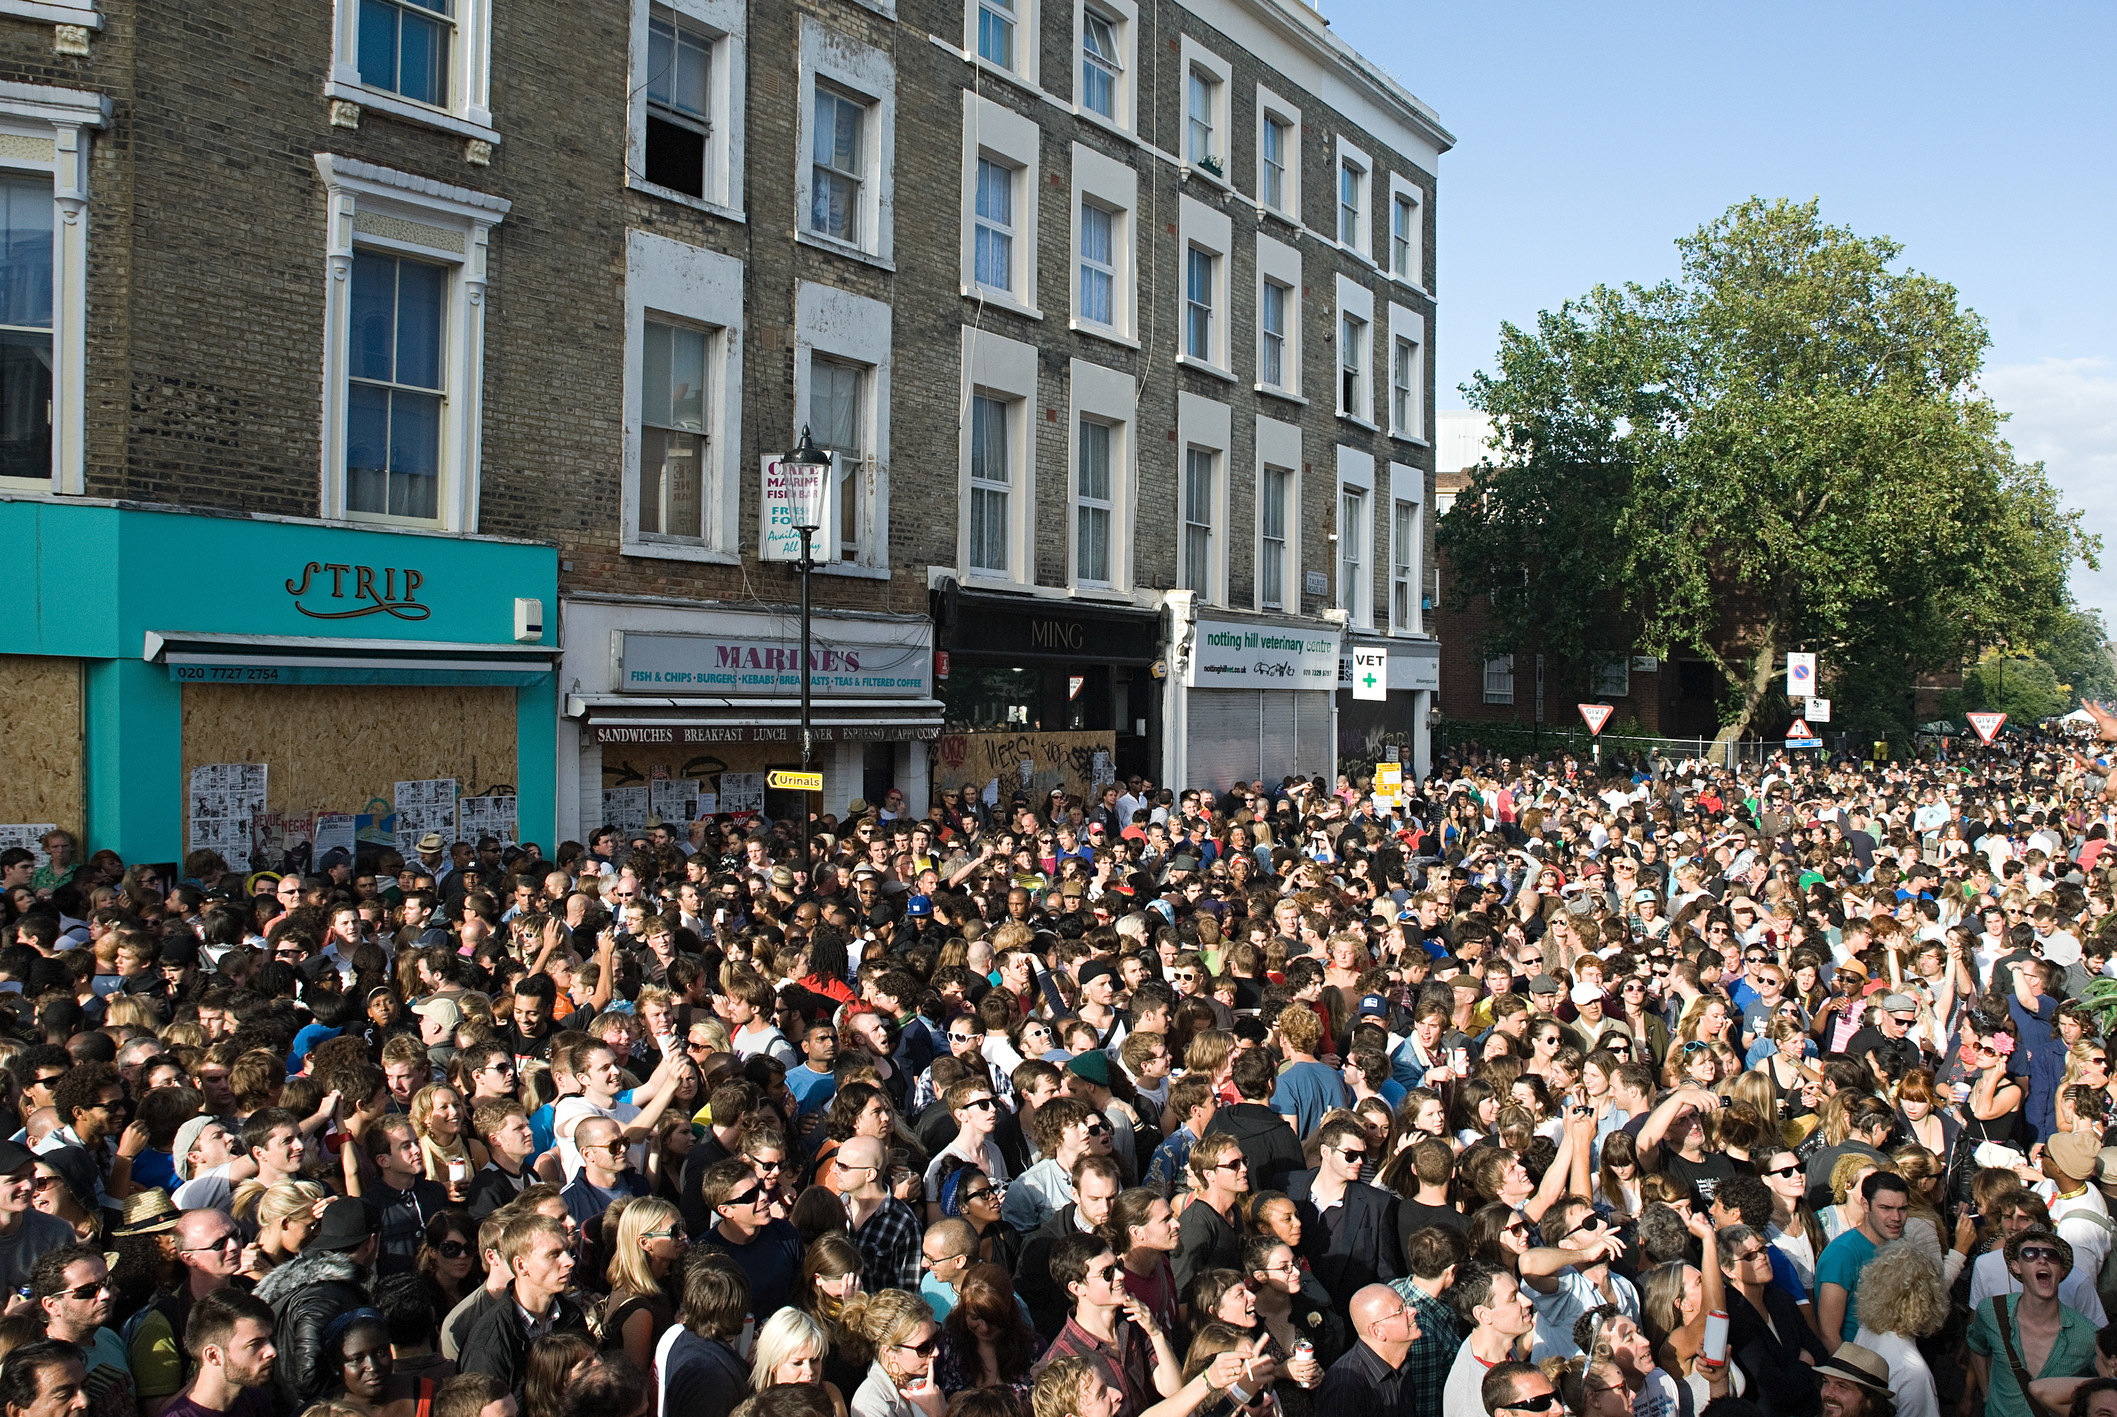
x: 1596, y: 715
x: 1987, y: 725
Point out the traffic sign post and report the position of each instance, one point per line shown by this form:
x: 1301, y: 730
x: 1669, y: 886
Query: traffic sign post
x: 1800, y: 675
x: 1800, y: 735
x: 1818, y: 711
x: 1596, y: 715
x: 1987, y: 725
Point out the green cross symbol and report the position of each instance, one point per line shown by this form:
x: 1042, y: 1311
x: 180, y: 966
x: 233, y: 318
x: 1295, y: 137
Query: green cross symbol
x: 1369, y: 681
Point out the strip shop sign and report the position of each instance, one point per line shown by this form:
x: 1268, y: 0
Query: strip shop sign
x: 1227, y: 655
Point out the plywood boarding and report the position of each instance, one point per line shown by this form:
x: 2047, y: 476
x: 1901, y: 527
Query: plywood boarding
x: 635, y: 764
x: 40, y: 721
x: 336, y: 748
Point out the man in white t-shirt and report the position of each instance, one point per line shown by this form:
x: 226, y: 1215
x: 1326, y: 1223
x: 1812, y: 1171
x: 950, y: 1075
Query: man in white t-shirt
x: 1989, y: 1274
x: 208, y: 1160
x: 597, y: 1074
x: 971, y: 1103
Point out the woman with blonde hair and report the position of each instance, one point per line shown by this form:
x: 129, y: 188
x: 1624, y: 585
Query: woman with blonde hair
x: 437, y: 1116
x: 650, y: 1244
x: 1903, y: 1298
x: 286, y: 1216
x: 791, y: 1348
x: 898, y: 1333
x: 2088, y: 1066
x: 1848, y: 1207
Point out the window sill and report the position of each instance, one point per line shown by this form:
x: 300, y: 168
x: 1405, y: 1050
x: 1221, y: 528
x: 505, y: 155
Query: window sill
x: 685, y: 199
x: 83, y: 15
x: 43, y: 485
x: 1100, y: 593
x: 1187, y: 362
x: 1358, y: 422
x: 998, y: 71
x: 1287, y: 219
x: 852, y: 570
x: 677, y: 551
x: 1101, y: 332
x: 1109, y: 125
x: 840, y: 248
x: 384, y: 519
x: 1358, y: 255
x: 1413, y: 286
x: 380, y: 101
x: 1192, y: 169
x: 1000, y: 299
x: 993, y: 580
x: 1271, y: 391
x: 1412, y: 438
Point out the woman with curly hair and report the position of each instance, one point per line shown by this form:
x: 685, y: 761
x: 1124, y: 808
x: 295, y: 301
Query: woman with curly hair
x: 1903, y: 1298
x: 897, y: 1332
x: 438, y: 1117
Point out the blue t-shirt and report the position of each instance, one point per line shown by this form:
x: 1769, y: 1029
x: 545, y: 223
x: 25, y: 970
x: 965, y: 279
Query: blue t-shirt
x: 155, y: 1170
x: 812, y: 1090
x: 1842, y: 1261
x: 1308, y: 1090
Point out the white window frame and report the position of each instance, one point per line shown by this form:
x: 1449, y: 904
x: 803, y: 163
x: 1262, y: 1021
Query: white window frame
x: 1113, y: 186
x: 1278, y: 444
x: 725, y: 22
x: 1279, y: 263
x: 1407, y: 563
x: 1123, y: 16
x: 1499, y: 679
x: 55, y: 12
x: 997, y: 133
x: 1205, y: 424
x: 1209, y: 230
x: 1613, y: 677
x: 851, y: 329
x: 1407, y: 326
x: 468, y: 113
x: 1356, y: 541
x: 1028, y: 22
x: 1271, y: 106
x: 401, y: 213
x: 41, y: 134
x: 1195, y: 57
x: 1354, y: 302
x: 1362, y: 244
x: 1106, y: 396
x: 1006, y: 370
x: 689, y: 285
x: 1408, y: 266
x: 865, y: 72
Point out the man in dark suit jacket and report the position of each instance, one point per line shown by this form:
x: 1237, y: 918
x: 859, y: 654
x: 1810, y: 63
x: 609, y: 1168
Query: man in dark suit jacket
x: 1348, y: 1228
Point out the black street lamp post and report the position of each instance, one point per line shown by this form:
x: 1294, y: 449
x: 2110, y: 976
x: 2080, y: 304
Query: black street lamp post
x: 807, y: 469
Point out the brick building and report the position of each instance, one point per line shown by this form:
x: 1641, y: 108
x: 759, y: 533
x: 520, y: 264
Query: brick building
x: 1678, y: 698
x: 436, y: 347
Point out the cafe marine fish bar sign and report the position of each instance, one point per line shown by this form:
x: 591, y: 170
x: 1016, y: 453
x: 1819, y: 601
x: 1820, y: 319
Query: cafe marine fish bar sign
x: 676, y: 665
x: 1226, y: 655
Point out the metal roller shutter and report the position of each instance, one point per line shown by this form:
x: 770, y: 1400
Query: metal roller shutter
x: 1315, y: 748
x: 1220, y: 743
x: 1279, y: 747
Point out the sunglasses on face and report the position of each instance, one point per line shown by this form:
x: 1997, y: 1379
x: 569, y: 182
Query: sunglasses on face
x: 2032, y: 1253
x: 451, y: 1249
x: 923, y: 1349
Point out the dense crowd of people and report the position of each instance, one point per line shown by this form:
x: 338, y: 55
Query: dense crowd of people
x: 1544, y: 1087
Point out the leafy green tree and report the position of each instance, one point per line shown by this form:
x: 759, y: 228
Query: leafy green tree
x: 2022, y: 686
x: 2078, y: 651
x: 1785, y: 448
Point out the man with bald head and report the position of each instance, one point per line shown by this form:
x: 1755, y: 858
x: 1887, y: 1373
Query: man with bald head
x: 209, y: 1251
x: 951, y: 1248
x: 883, y: 1227
x: 1372, y: 1379
x: 1510, y: 1385
x: 606, y: 1173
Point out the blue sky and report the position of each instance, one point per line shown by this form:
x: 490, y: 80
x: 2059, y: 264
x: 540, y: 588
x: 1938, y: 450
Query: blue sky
x: 1980, y: 137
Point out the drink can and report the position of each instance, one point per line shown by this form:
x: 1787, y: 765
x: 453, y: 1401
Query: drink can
x: 1459, y: 1061
x: 1962, y: 1090
x: 1304, y: 1349
x: 458, y: 1171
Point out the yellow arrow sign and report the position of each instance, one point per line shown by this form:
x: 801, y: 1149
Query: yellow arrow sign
x: 794, y: 781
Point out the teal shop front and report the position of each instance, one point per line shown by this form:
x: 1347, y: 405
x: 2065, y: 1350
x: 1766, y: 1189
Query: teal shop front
x: 138, y: 644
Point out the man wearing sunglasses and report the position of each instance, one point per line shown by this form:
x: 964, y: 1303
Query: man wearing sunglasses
x: 766, y: 1249
x: 1512, y: 1388
x: 208, y: 1253
x: 2012, y: 1332
x: 1358, y: 1246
